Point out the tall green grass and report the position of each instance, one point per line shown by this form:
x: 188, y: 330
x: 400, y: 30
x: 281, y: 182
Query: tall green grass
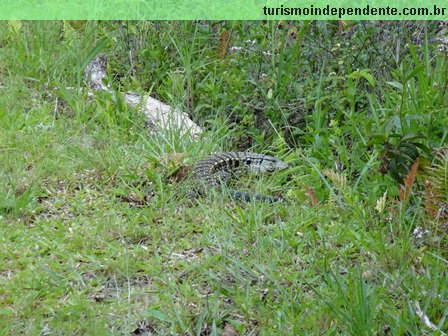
x: 98, y: 236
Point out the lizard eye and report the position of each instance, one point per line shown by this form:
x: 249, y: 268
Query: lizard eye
x: 248, y: 161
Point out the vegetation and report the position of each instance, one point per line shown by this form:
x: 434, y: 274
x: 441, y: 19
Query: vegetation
x: 98, y: 236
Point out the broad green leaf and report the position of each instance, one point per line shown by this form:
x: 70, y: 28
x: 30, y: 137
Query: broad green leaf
x: 412, y: 136
x: 158, y: 315
x: 396, y: 85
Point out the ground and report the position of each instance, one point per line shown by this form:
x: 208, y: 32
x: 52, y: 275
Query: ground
x: 98, y: 236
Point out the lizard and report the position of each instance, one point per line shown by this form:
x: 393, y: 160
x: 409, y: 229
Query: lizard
x: 218, y: 169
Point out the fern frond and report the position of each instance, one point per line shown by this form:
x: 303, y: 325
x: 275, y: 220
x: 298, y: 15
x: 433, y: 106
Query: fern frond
x: 436, y: 185
x: 222, y: 47
x: 15, y: 26
x: 338, y: 179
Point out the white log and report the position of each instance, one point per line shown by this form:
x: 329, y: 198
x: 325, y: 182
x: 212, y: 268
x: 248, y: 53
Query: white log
x: 160, y: 116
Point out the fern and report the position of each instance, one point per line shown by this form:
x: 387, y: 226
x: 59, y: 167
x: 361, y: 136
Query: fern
x: 408, y: 181
x: 398, y: 160
x: 15, y: 26
x: 436, y: 185
x: 222, y: 47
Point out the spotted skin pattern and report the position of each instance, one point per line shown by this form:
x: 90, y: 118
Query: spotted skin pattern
x: 219, y: 169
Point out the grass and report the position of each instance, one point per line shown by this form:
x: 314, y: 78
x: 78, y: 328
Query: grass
x: 98, y: 237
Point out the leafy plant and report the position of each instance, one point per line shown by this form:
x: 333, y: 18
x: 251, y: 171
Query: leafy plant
x: 398, y: 158
x: 436, y: 186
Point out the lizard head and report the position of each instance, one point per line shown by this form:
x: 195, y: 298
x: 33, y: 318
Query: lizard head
x: 259, y: 163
